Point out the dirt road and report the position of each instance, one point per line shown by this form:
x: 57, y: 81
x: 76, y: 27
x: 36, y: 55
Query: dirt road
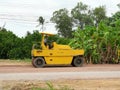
x: 28, y: 72
x: 28, y: 68
x: 60, y: 75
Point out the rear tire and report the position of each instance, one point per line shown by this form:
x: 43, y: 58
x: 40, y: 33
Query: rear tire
x: 38, y: 62
x: 77, y: 62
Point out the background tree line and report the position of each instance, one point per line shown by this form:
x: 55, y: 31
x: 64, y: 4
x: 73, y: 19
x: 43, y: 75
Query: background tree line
x: 82, y: 27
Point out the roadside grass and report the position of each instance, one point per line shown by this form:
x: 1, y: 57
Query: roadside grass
x: 51, y: 87
x: 17, y: 61
x: 63, y: 88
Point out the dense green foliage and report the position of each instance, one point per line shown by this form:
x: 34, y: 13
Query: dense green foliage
x: 100, y: 44
x: 7, y: 43
x: 14, y: 47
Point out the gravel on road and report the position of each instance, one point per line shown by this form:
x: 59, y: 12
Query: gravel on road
x: 60, y: 75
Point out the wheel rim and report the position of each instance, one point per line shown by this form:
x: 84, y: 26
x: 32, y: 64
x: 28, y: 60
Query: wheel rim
x: 78, y: 61
x: 39, y: 62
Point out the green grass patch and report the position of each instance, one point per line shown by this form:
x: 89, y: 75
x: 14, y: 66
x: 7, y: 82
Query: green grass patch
x: 51, y: 87
x: 13, y: 61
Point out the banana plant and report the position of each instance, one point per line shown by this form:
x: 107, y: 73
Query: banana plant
x: 100, y: 44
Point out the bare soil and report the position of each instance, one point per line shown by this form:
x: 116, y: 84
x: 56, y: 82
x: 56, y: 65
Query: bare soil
x: 99, y: 84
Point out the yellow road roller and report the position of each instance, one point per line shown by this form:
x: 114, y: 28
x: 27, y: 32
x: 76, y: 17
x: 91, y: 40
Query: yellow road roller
x: 55, y: 54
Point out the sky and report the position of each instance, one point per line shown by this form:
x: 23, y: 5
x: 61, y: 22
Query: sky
x: 20, y: 16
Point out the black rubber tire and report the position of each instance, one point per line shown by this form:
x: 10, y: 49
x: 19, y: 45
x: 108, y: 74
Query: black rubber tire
x: 78, y: 61
x: 38, y: 62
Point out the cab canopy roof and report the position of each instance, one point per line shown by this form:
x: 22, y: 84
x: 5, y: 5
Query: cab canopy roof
x: 50, y: 34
